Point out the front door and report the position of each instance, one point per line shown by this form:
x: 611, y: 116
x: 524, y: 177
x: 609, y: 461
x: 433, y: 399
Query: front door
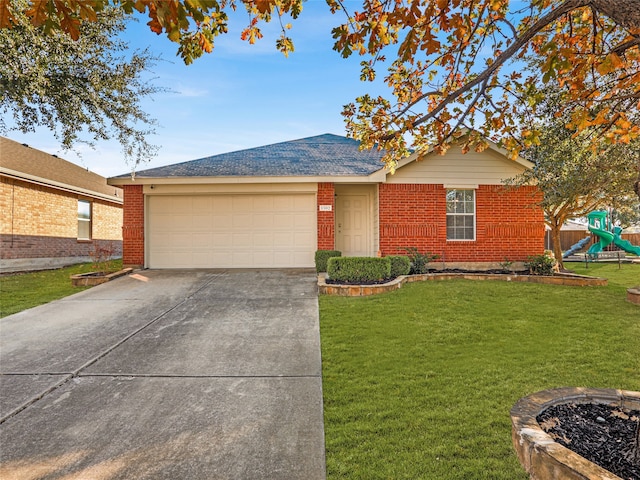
x: 353, y: 225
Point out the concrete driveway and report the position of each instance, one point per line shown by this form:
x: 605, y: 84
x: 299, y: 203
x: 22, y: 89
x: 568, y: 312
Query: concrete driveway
x: 204, y: 374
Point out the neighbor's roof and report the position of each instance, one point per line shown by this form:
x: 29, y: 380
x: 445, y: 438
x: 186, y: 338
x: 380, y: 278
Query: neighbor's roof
x: 322, y: 155
x: 25, y: 163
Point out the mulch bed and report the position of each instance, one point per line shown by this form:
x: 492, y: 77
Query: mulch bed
x: 376, y: 282
x: 603, y: 434
x: 450, y: 270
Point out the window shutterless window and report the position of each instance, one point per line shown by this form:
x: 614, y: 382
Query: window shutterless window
x: 84, y: 220
x: 461, y: 214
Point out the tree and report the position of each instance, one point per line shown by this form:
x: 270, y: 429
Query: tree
x: 453, y: 62
x: 193, y: 24
x: 83, y: 90
x: 574, y: 177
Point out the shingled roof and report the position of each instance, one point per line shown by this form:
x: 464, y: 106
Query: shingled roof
x: 26, y: 163
x: 322, y: 155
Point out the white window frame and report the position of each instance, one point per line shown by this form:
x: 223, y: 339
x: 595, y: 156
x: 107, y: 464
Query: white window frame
x: 87, y: 220
x: 453, y: 191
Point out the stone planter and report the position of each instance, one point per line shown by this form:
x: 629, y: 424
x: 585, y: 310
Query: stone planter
x: 95, y: 278
x: 633, y: 295
x: 539, y: 454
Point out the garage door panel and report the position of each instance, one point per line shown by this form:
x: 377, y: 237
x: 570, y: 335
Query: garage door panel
x: 241, y: 221
x: 263, y: 220
x: 263, y: 240
x: 222, y: 240
x: 201, y: 240
x: 228, y: 231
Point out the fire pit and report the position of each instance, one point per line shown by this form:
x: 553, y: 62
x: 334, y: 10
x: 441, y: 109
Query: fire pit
x: 539, y: 453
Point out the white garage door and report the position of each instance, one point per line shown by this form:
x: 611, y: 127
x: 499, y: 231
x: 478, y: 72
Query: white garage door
x: 231, y: 231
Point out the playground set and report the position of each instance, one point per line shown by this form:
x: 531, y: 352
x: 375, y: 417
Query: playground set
x: 607, y: 234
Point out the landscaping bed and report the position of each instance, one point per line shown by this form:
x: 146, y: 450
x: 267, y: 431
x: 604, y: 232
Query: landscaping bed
x: 352, y: 289
x: 603, y: 434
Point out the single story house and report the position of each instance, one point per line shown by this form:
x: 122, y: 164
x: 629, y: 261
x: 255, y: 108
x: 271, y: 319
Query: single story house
x: 274, y: 206
x: 54, y: 212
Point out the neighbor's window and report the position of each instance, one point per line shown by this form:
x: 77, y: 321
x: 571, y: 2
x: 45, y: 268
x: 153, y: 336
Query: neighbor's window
x: 84, y: 220
x: 461, y: 214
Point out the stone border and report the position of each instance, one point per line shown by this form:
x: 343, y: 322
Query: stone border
x: 365, y: 290
x: 91, y: 280
x: 539, y: 454
x: 633, y: 295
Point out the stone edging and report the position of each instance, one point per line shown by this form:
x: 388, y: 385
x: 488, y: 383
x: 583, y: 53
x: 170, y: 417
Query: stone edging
x: 633, y: 295
x: 90, y: 280
x: 539, y: 454
x: 366, y: 290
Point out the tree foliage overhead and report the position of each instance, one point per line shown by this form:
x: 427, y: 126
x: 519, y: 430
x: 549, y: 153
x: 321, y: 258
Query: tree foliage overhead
x: 193, y: 24
x: 455, y: 67
x: 85, y: 90
x: 452, y: 63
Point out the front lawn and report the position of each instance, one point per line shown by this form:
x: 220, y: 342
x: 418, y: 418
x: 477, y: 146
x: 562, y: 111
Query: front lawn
x: 418, y: 383
x: 26, y: 290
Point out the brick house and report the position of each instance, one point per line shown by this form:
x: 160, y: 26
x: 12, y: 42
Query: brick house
x: 273, y: 206
x: 54, y: 213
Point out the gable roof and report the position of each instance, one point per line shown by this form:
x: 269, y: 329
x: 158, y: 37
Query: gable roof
x: 28, y: 164
x: 325, y: 155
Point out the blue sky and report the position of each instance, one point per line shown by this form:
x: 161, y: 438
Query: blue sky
x: 240, y: 96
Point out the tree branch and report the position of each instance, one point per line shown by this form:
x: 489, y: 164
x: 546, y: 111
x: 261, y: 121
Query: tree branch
x: 502, y: 58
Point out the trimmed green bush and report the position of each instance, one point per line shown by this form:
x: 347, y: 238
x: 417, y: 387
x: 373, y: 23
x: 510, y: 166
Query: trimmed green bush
x: 400, y: 265
x: 359, y: 269
x: 419, y: 261
x: 322, y: 256
x: 540, y: 264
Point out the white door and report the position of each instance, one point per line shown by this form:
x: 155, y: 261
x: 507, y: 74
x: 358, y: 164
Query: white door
x: 353, y: 232
x: 231, y: 231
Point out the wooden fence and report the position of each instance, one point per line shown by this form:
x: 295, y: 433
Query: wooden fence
x: 571, y: 237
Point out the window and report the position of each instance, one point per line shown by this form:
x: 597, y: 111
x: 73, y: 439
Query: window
x: 84, y: 220
x: 461, y: 215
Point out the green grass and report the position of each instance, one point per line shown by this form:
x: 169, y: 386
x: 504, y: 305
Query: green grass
x: 26, y: 290
x: 418, y: 383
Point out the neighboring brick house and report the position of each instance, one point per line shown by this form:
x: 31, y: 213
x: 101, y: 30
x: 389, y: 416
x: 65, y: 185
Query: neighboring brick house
x: 273, y: 206
x: 54, y: 213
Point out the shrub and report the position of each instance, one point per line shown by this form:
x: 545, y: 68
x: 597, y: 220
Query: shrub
x: 419, y: 261
x: 102, y: 256
x: 400, y: 265
x: 359, y: 269
x: 540, y: 264
x: 322, y: 256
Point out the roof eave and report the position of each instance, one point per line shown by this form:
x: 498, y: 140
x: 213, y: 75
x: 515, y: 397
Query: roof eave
x: 375, y: 177
x: 59, y: 185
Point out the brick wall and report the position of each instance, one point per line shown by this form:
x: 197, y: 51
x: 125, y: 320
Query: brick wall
x: 507, y: 223
x: 133, y: 227
x: 42, y: 222
x: 326, y: 220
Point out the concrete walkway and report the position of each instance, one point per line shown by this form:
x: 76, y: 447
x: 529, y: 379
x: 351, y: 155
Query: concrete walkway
x: 166, y: 375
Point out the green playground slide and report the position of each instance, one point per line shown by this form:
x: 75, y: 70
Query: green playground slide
x: 598, y: 226
x: 626, y: 245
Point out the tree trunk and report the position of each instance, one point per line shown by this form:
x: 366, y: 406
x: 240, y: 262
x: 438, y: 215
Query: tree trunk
x: 636, y: 186
x: 556, y: 245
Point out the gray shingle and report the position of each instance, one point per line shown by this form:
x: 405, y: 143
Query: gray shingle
x: 314, y: 156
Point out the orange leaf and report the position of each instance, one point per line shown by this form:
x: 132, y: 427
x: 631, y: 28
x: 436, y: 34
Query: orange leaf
x: 263, y: 6
x: 38, y: 12
x: 6, y: 17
